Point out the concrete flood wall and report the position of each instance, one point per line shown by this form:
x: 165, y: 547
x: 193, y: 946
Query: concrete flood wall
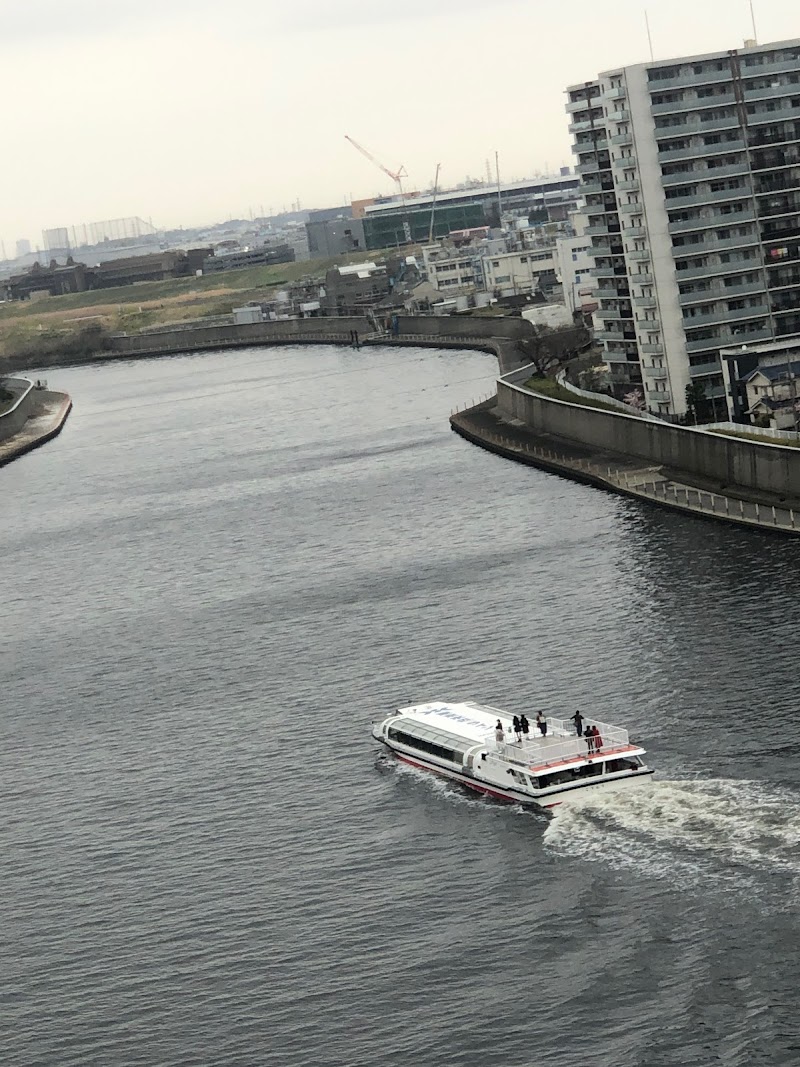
x: 13, y: 419
x: 728, y: 460
x: 249, y: 333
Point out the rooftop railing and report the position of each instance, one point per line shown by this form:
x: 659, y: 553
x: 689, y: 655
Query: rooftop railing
x: 561, y: 743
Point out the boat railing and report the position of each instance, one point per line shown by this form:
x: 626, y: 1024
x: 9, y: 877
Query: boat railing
x: 559, y: 744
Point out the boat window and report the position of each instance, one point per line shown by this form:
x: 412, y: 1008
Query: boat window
x: 569, y: 775
x: 427, y: 744
x: 615, y: 765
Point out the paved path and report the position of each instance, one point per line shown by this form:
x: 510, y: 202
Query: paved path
x: 622, y: 474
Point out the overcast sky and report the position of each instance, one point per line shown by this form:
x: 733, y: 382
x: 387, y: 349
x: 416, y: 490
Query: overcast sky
x: 193, y: 111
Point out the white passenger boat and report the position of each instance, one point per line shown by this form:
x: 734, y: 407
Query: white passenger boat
x: 474, y: 744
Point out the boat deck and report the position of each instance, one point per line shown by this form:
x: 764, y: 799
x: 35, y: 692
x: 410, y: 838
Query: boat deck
x: 561, y: 746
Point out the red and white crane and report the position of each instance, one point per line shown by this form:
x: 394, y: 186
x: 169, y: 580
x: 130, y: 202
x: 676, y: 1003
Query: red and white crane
x: 396, y: 176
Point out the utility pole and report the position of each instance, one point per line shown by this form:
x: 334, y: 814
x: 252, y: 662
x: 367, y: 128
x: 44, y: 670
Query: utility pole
x: 499, y: 193
x: 433, y: 205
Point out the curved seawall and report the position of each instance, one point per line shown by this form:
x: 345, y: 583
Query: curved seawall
x: 727, y: 461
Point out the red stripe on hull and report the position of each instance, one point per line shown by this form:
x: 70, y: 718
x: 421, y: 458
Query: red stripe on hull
x: 478, y: 787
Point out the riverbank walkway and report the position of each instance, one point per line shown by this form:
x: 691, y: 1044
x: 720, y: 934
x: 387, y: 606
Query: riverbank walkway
x: 47, y: 420
x: 481, y: 424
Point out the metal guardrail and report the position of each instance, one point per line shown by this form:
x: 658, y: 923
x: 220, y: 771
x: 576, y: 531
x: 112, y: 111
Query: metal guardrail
x: 539, y: 751
x: 662, y: 490
x: 604, y: 398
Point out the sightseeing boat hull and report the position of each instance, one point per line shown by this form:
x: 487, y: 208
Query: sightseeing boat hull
x: 451, y: 740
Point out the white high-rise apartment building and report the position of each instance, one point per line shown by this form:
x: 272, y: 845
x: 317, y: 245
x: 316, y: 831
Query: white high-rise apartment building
x: 691, y: 173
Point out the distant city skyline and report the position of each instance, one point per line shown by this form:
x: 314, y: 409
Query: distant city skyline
x: 189, y: 113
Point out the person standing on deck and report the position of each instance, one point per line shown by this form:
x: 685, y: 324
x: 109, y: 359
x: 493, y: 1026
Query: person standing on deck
x: 517, y: 728
x: 541, y: 722
x: 589, y: 735
x: 524, y: 726
x: 577, y: 718
x: 598, y: 741
x: 499, y: 734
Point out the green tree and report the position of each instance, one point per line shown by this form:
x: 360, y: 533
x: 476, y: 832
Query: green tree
x: 695, y: 401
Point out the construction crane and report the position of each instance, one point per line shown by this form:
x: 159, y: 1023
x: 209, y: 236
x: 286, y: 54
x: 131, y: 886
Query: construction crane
x: 396, y: 176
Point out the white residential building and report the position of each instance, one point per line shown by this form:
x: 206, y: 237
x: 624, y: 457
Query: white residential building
x: 513, y: 273
x: 453, y: 270
x: 574, y: 265
x: 690, y: 170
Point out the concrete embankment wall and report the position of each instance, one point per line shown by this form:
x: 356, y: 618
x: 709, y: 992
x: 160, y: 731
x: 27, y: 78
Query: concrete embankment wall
x: 250, y: 333
x: 727, y: 460
x: 15, y: 417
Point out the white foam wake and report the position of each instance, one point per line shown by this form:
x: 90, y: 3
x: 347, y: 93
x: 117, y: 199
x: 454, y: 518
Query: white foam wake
x: 747, y: 826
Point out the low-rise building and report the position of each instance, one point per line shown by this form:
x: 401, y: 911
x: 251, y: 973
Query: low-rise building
x: 355, y: 288
x: 249, y: 257
x: 511, y: 273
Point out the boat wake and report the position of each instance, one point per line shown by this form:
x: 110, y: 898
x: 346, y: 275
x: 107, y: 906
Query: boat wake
x: 718, y: 827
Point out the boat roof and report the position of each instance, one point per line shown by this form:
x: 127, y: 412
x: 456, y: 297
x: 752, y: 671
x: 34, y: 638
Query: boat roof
x: 467, y: 719
x: 475, y: 723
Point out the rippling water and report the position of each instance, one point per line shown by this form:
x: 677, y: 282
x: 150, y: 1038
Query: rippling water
x: 224, y: 568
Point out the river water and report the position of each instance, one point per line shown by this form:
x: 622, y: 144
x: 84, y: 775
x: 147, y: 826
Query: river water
x: 223, y: 569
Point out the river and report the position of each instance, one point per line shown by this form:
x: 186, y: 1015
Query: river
x: 225, y: 567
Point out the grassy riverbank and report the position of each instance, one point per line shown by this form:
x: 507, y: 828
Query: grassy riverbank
x: 80, y: 320
x: 550, y: 387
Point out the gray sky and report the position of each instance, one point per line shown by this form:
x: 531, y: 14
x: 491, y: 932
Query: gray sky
x: 191, y: 111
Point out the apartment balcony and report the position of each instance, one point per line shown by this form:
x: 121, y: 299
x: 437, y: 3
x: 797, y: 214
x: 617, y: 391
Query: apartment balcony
x: 687, y: 79
x: 628, y: 187
x: 609, y: 272
x: 781, y: 235
x: 588, y: 168
x: 572, y: 106
x: 777, y: 67
x: 776, y: 115
x: 631, y: 232
x: 620, y: 93
x: 619, y: 116
x: 705, y: 344
x: 624, y: 161
x: 639, y: 255
x: 604, y: 293
x: 720, y: 316
x: 631, y: 209
x: 659, y: 396
x: 621, y: 138
x: 610, y: 335
x: 730, y: 170
x: 645, y: 301
x: 699, y: 369
x: 712, y: 270
x: 585, y: 125
x: 594, y: 189
x: 712, y: 244
x: 692, y: 104
x: 598, y: 144
x: 719, y: 292
x: 714, y: 392
x: 648, y: 325
x: 696, y: 127
x: 652, y: 350
x: 707, y: 221
x: 611, y: 314
x: 655, y: 372
x: 675, y: 203
x: 642, y: 278
x: 601, y: 229
x: 772, y: 92
x: 728, y: 340
x: 699, y: 151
